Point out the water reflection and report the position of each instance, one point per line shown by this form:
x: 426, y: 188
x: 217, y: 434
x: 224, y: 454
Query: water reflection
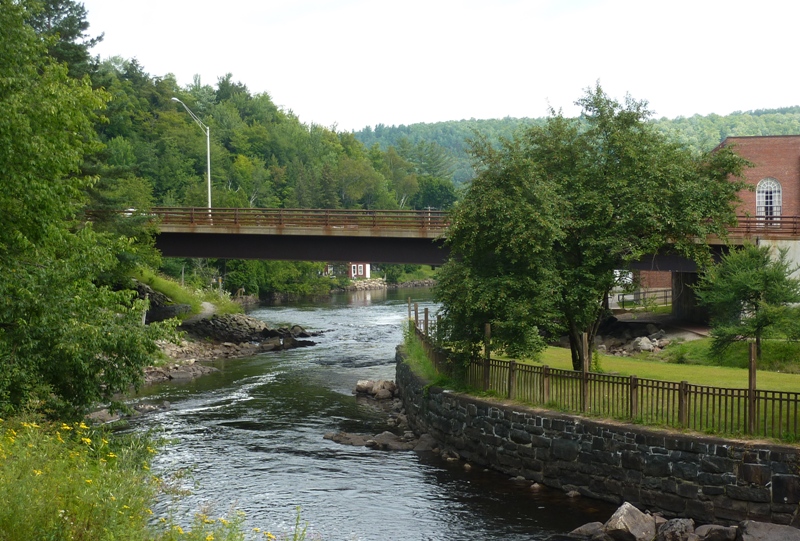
x: 253, y: 435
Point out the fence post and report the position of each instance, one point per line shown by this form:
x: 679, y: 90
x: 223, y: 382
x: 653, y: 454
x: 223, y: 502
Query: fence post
x: 752, y: 425
x: 545, y: 384
x: 425, y: 322
x: 409, y: 308
x: 512, y: 379
x: 438, y: 330
x: 683, y: 403
x: 416, y: 315
x: 486, y: 354
x: 585, y: 373
x: 634, y: 398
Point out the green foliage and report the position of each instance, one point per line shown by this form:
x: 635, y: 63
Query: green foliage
x: 63, y: 482
x: 751, y: 294
x: 64, y: 23
x: 777, y: 355
x: 700, y: 133
x: 67, y: 338
x: 558, y: 208
x: 68, y: 481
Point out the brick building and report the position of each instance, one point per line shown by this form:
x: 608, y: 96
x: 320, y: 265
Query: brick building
x: 775, y: 175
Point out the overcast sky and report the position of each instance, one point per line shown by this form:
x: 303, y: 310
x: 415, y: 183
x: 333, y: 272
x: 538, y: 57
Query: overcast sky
x: 354, y: 63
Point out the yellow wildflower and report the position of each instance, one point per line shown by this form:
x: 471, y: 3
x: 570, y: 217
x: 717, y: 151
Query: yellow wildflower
x: 83, y: 426
x: 65, y: 426
x: 88, y: 481
x: 210, y: 537
x: 179, y: 530
x: 87, y: 441
x: 111, y: 455
x: 37, y: 472
x: 269, y: 536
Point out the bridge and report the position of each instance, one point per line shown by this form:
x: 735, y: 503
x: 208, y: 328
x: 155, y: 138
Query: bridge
x: 379, y: 236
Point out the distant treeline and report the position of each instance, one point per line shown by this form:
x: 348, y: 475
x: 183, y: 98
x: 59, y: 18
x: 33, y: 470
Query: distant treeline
x: 699, y: 132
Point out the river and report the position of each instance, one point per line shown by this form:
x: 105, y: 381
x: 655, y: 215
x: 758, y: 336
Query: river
x: 251, y: 436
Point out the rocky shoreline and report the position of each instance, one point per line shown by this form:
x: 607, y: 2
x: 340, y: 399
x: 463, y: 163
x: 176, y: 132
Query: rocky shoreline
x: 226, y: 336
x: 630, y: 524
x: 374, y: 284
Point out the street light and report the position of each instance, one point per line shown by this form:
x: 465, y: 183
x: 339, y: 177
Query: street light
x: 208, y: 145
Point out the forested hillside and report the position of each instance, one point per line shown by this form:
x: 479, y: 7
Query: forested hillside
x: 699, y: 132
x: 149, y: 150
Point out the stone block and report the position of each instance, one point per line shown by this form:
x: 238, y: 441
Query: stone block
x: 699, y: 510
x: 520, y: 436
x: 750, y: 494
x: 632, y: 460
x: 564, y: 449
x: 716, y: 464
x: 687, y: 490
x: 657, y: 466
x: 684, y: 470
x: 786, y: 489
x: 755, y: 474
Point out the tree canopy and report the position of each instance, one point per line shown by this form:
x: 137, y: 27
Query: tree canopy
x: 67, y: 337
x: 751, y: 294
x: 558, y: 208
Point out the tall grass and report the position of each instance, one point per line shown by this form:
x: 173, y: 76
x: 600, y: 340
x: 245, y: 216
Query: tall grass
x: 182, y: 295
x: 62, y: 482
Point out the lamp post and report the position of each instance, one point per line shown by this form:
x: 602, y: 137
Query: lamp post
x: 208, y: 145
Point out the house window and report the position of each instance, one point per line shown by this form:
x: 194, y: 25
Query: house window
x: 768, y: 200
x: 361, y: 270
x: 353, y: 271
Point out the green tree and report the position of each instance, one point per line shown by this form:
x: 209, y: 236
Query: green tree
x: 558, y: 208
x: 64, y: 22
x: 435, y: 193
x: 66, y: 338
x: 751, y: 295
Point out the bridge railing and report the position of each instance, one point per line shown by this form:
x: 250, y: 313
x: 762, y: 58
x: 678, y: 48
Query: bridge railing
x: 304, y: 218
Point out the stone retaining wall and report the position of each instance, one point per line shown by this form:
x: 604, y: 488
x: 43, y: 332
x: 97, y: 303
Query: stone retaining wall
x: 708, y: 479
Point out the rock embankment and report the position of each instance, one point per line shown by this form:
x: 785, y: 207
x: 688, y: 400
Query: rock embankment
x: 379, y: 283
x: 630, y: 524
x: 222, y: 337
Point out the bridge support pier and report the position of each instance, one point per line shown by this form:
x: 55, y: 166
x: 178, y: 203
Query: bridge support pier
x: 684, y: 300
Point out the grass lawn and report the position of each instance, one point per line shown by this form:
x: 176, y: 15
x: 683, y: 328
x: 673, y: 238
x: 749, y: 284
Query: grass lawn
x: 717, y: 376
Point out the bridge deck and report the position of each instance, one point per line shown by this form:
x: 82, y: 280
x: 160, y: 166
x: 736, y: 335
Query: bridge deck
x: 387, y: 236
x: 429, y: 224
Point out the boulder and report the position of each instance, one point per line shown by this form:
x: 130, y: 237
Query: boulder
x: 714, y: 532
x: 387, y: 441
x: 629, y: 524
x: 425, y: 443
x: 642, y: 343
x: 750, y: 530
x: 676, y: 529
x: 588, y: 530
x: 364, y: 386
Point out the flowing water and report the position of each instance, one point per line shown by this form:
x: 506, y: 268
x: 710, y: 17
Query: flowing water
x: 251, y: 436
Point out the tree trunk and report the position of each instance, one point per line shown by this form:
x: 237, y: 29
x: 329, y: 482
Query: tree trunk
x: 576, y: 346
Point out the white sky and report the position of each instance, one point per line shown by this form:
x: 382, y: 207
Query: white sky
x: 354, y: 63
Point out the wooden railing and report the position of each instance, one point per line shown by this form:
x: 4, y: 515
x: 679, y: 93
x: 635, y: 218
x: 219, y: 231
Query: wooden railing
x: 680, y: 405
x: 771, y: 226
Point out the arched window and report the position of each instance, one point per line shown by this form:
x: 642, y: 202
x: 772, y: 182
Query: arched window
x: 768, y: 199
